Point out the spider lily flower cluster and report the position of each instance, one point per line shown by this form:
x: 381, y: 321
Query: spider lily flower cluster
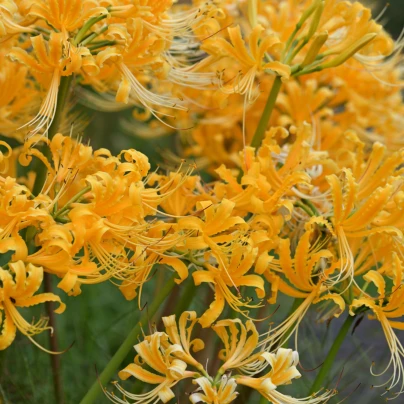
x: 346, y: 69
x: 114, y: 47
x: 170, y: 357
x: 313, y: 210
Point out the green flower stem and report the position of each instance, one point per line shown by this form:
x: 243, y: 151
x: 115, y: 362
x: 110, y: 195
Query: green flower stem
x: 304, y: 207
x: 266, y: 115
x: 365, y: 286
x: 308, y: 207
x: 196, y: 262
x: 189, y: 257
x: 75, y: 198
x: 63, y: 93
x: 90, y: 38
x: 83, y: 30
x: 297, y: 50
x: 290, y: 42
x: 329, y: 361
x: 263, y: 400
x: 312, y: 207
x: 101, y: 44
x: 127, y: 345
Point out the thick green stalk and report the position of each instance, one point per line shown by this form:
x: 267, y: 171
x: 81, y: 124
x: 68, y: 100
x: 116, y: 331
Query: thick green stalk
x: 266, y: 115
x: 63, y: 92
x: 329, y: 361
x: 127, y: 345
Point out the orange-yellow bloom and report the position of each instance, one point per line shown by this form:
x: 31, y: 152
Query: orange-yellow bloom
x: 252, y: 59
x: 283, y: 370
x: 230, y: 272
x: 223, y: 393
x: 304, y: 275
x: 388, y: 308
x: 19, y: 285
x: 55, y: 58
x: 168, y: 355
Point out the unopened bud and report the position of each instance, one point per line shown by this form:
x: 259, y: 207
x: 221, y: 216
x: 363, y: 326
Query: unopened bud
x: 350, y: 51
x: 307, y: 13
x: 252, y: 13
x: 316, y: 45
x: 316, y: 20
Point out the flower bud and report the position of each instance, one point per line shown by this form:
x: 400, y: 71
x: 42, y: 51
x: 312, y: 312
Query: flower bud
x: 314, y: 49
x: 316, y: 20
x: 350, y: 51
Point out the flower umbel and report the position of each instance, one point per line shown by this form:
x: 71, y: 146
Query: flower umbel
x: 159, y: 352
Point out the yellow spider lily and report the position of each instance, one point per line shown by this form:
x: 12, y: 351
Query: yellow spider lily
x: 224, y: 393
x: 180, y: 336
x: 155, y: 351
x: 184, y: 199
x: 346, y: 24
x: 252, y: 59
x: 19, y: 98
x: 211, y: 231
x: 19, y: 285
x: 74, y: 165
x: 263, y: 188
x: 145, y: 51
x: 387, y: 308
x: 168, y: 355
x: 66, y: 16
x: 353, y: 217
x: 68, y: 159
x: 98, y: 253
x: 18, y: 209
x: 97, y: 204
x: 303, y: 276
x: 142, y: 264
x: 57, y: 59
x: 5, y: 158
x: 240, y: 341
x: 231, y: 272
x: 366, y: 97
x: 330, y: 32
x: 12, y: 20
x: 304, y: 102
x: 242, y: 354
x: 283, y: 370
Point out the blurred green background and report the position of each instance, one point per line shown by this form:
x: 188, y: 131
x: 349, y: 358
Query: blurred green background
x: 99, y: 319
